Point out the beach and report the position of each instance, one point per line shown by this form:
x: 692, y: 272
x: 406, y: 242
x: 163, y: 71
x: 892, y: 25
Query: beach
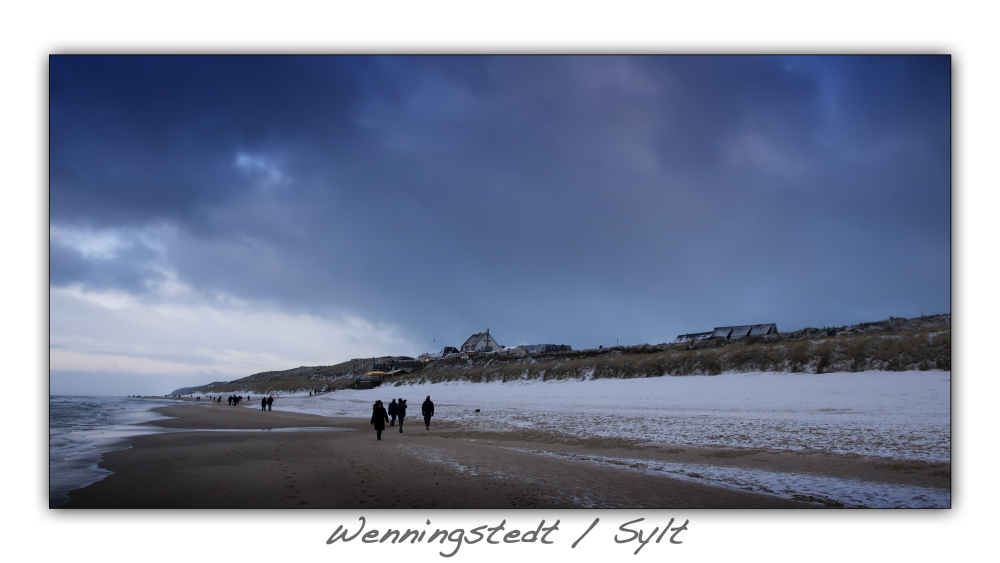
x: 350, y: 469
x: 217, y: 456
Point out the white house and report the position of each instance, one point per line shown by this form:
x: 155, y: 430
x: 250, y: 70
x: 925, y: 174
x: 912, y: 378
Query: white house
x: 481, y: 342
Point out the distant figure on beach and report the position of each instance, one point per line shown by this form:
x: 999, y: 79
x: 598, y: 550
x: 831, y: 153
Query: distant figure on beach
x: 219, y: 400
x: 392, y: 413
x: 379, y: 418
x: 427, y: 409
x: 230, y: 400
x: 270, y: 400
x: 263, y: 403
x: 401, y: 413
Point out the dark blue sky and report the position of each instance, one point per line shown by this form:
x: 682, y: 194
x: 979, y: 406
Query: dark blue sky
x: 216, y: 216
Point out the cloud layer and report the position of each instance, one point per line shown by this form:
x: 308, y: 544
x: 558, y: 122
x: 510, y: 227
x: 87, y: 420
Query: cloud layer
x: 392, y: 204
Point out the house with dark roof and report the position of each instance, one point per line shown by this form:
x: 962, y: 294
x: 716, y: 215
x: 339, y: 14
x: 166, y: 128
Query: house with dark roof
x: 721, y: 332
x: 539, y: 348
x: 764, y: 330
x: 730, y: 332
x: 481, y: 342
x: 692, y: 337
x: 740, y: 331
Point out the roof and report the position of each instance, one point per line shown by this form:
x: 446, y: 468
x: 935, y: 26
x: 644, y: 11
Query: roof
x: 759, y: 330
x: 545, y: 347
x: 692, y: 336
x: 474, y: 339
x: 740, y: 331
x: 722, y: 332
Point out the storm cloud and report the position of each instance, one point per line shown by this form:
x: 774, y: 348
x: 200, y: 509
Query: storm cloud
x: 395, y: 204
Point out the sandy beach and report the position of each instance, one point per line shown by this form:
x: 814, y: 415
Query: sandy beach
x: 230, y: 459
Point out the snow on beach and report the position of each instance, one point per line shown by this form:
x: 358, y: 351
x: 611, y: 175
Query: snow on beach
x: 899, y: 415
x: 902, y: 415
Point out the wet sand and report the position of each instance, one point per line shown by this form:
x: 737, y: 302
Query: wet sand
x: 446, y: 467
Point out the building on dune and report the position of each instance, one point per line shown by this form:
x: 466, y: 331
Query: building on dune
x: 481, y: 342
x: 730, y: 332
x: 692, y: 337
x: 540, y: 348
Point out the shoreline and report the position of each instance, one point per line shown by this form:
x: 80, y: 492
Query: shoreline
x: 448, y: 467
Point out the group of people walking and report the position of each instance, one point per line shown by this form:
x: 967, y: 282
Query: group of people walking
x: 235, y: 400
x: 380, y: 415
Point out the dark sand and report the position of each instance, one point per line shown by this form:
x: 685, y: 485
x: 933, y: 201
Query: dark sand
x: 443, y: 468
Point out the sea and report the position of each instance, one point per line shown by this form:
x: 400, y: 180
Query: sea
x: 81, y: 428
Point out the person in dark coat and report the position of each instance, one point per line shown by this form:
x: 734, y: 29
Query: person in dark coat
x: 427, y: 409
x: 270, y: 400
x: 392, y: 413
x: 379, y: 418
x: 401, y: 413
x: 263, y: 403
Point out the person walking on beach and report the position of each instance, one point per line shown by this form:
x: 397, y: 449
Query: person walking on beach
x: 379, y: 418
x: 427, y: 409
x: 270, y: 399
x: 263, y: 403
x: 392, y: 413
x: 401, y: 413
